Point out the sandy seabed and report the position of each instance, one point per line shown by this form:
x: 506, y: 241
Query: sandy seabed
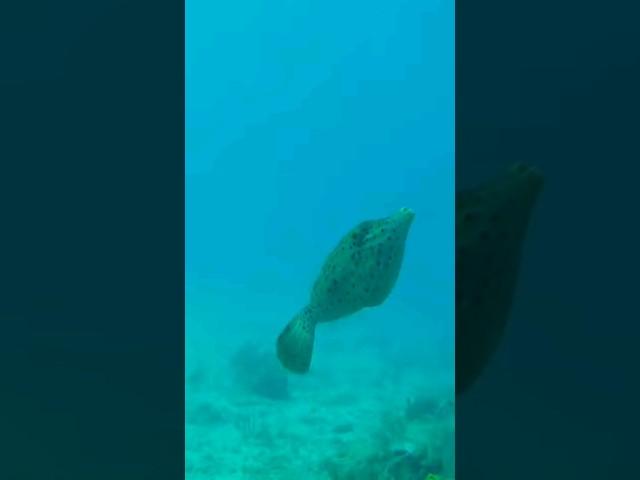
x: 332, y: 422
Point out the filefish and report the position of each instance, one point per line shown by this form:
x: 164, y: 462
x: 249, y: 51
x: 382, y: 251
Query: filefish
x: 491, y: 226
x: 359, y: 273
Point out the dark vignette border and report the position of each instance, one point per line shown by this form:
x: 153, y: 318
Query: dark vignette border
x: 92, y: 250
x: 555, y: 84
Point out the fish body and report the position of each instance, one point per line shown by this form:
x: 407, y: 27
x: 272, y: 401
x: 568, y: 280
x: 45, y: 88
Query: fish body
x: 360, y: 272
x: 491, y: 226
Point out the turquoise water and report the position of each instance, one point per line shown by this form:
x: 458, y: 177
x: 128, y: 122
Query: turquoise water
x: 304, y: 119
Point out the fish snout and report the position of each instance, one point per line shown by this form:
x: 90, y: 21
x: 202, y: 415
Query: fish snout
x: 403, y: 218
x: 406, y: 213
x: 528, y: 175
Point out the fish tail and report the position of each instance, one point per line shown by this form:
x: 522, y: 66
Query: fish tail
x: 295, y: 343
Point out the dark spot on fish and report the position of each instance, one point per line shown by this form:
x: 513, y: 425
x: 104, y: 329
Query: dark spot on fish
x: 521, y: 168
x: 484, y: 235
x: 344, y: 428
x: 469, y: 217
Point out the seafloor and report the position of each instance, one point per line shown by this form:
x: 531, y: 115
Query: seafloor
x: 362, y: 413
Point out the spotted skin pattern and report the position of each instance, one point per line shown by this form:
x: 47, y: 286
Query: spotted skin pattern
x: 491, y: 225
x: 360, y: 272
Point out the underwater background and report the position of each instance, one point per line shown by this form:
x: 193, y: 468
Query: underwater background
x: 302, y: 120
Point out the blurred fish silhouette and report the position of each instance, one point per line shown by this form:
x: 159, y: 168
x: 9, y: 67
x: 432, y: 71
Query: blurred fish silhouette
x: 491, y: 226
